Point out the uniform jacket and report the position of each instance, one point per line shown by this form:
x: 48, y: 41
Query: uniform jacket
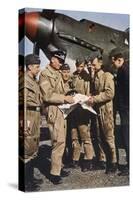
x: 104, y: 94
x: 29, y: 91
x: 81, y: 82
x: 29, y: 126
x: 53, y: 91
x: 21, y: 90
x: 33, y: 96
x: 123, y: 88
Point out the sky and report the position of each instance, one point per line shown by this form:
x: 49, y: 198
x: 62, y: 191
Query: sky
x: 117, y: 21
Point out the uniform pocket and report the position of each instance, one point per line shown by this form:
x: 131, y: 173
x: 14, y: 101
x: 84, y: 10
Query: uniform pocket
x: 31, y: 145
x: 52, y: 110
x: 31, y: 97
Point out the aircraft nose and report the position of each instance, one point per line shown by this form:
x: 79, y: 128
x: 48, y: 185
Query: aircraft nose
x: 31, y: 25
x: 28, y: 25
x: 35, y: 26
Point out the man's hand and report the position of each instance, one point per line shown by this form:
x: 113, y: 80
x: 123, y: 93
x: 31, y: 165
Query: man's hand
x: 91, y: 101
x: 27, y: 129
x: 27, y: 132
x: 68, y: 99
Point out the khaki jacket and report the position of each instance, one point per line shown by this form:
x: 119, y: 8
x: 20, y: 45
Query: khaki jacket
x: 33, y: 96
x: 81, y: 82
x: 29, y: 91
x: 53, y: 91
x: 21, y: 90
x: 29, y: 120
x: 104, y: 90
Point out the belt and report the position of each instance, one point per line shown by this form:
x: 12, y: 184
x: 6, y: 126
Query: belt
x: 32, y: 108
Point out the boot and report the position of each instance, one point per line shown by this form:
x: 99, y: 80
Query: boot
x: 124, y: 171
x: 65, y: 173
x: 101, y: 165
x: 87, y: 165
x: 31, y: 184
x: 28, y: 173
x: 56, y: 180
x: 21, y: 180
x: 75, y: 164
x: 111, y: 168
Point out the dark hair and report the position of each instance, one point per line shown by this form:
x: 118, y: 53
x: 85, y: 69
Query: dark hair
x: 95, y: 55
x: 79, y: 61
x: 99, y: 58
x: 118, y: 55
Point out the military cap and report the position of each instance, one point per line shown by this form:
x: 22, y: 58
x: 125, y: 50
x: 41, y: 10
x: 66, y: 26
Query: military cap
x: 65, y: 67
x: 59, y: 54
x: 21, y: 60
x: 32, y: 59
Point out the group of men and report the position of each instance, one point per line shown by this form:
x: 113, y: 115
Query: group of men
x: 91, y: 134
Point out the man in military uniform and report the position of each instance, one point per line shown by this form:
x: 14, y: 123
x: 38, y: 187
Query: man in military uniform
x: 54, y: 95
x: 29, y: 108
x: 104, y: 94
x: 122, y: 101
x: 68, y: 89
x: 80, y: 120
x: 66, y: 78
x: 100, y: 158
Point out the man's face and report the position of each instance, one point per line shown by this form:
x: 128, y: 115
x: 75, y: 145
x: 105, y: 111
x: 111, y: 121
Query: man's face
x: 55, y: 63
x: 118, y: 62
x: 65, y: 74
x: 80, y: 67
x: 34, y: 69
x: 96, y: 64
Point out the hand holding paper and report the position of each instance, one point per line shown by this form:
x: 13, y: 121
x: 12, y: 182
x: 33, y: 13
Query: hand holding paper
x: 78, y: 99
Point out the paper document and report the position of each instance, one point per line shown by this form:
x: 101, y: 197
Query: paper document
x: 78, y: 99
